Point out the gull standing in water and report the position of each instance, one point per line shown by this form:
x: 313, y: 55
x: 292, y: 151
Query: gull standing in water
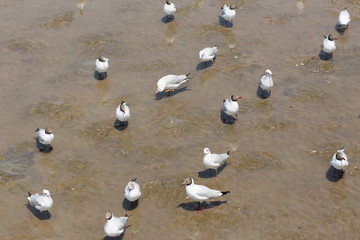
x: 228, y: 13
x: 213, y: 160
x: 200, y: 193
x: 132, y: 191
x: 45, y: 137
x: 339, y: 160
x: 169, y: 9
x: 329, y: 45
x: 122, y: 113
x: 266, y: 82
x: 208, y: 54
x: 231, y: 106
x: 102, y: 65
x: 114, y: 226
x: 344, y: 20
x: 41, y: 202
x: 170, y: 82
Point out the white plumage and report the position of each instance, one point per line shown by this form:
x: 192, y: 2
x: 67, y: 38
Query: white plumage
x: 45, y: 136
x: 41, y: 202
x: 344, y: 19
x: 213, y: 160
x: 208, y: 54
x: 122, y: 112
x: 169, y: 8
x: 170, y: 82
x: 199, y: 192
x: 114, y: 226
x: 102, y: 64
x: 228, y: 12
x: 266, y: 81
x: 231, y: 106
x: 329, y: 44
x: 339, y: 160
x: 132, y: 191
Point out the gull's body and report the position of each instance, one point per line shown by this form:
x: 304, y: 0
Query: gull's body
x: 45, y: 136
x: 213, y: 160
x: 208, y: 54
x: 329, y: 45
x: 114, y: 226
x: 266, y: 81
x: 122, y: 112
x: 201, y: 193
x: 231, y: 106
x: 41, y: 202
x: 339, y: 160
x: 102, y: 64
x: 228, y: 12
x: 344, y: 19
x: 171, y: 82
x: 132, y: 191
x: 169, y: 8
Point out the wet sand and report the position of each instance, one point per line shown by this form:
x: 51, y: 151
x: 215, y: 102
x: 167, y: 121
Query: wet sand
x: 278, y: 173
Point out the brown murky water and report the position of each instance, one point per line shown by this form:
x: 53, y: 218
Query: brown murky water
x: 278, y: 172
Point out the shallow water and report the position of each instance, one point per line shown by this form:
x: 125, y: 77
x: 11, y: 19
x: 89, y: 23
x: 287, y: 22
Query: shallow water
x: 278, y: 171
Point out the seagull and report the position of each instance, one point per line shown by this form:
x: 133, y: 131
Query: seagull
x: 208, y: 54
x: 266, y: 81
x: 45, y: 137
x: 213, y: 160
x: 102, y: 65
x: 114, y: 226
x: 228, y: 12
x: 231, y: 107
x: 200, y: 193
x: 170, y: 82
x: 132, y: 191
x: 41, y: 202
x: 339, y: 160
x: 122, y: 112
x: 169, y: 9
x: 344, y: 19
x: 329, y: 45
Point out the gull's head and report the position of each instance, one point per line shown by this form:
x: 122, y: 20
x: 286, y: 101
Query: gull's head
x: 232, y: 7
x: 46, y: 193
x: 102, y: 59
x: 330, y: 37
x: 188, y: 181
x: 108, y: 215
x: 168, y: 2
x: 206, y: 151
x: 268, y: 72
x: 122, y: 106
x: 48, y: 131
x: 235, y: 98
x: 131, y: 186
x: 340, y: 155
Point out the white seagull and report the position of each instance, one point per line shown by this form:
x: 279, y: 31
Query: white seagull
x: 329, y: 45
x: 170, y: 82
x: 102, y: 65
x: 132, y: 191
x: 228, y: 12
x: 122, y: 112
x: 231, y: 106
x: 169, y: 9
x: 344, y: 20
x: 213, y: 160
x: 45, y: 137
x: 114, y: 226
x: 339, y: 160
x: 266, y: 81
x: 41, y: 202
x: 208, y: 54
x: 200, y: 193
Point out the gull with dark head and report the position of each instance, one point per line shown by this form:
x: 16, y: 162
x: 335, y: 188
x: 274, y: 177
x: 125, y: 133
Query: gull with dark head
x: 122, y: 112
x: 102, y: 65
x: 213, y: 160
x: 339, y: 160
x: 208, y: 54
x: 231, y: 106
x: 41, y: 202
x: 169, y: 9
x: 132, y: 191
x: 343, y: 21
x: 45, y: 137
x: 200, y: 193
x: 170, y: 82
x: 114, y: 226
x: 329, y: 45
x: 228, y: 13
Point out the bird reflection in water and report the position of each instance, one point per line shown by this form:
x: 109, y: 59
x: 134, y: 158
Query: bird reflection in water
x: 81, y: 5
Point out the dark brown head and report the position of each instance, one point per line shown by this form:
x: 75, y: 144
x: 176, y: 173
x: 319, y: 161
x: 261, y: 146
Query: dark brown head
x: 330, y: 37
x: 168, y: 2
x: 48, y: 131
x: 232, y: 7
x: 340, y: 156
x: 188, y: 181
x: 102, y: 59
x: 122, y: 106
x: 108, y: 215
x: 235, y: 98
